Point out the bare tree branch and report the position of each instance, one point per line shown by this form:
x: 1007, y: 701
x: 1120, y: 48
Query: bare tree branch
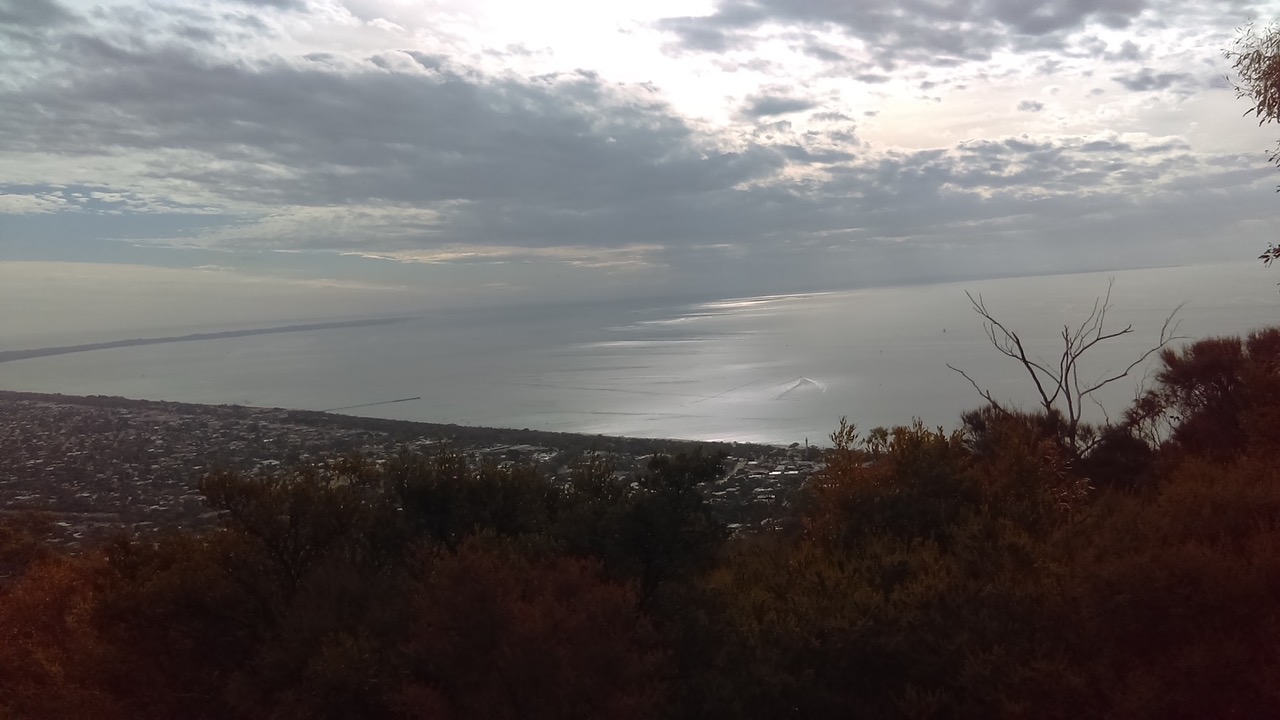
x: 1063, y: 385
x: 1167, y: 335
x: 984, y: 393
x: 1010, y: 345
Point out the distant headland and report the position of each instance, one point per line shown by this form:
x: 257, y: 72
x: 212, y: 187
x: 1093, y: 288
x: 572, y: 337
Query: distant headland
x: 12, y: 355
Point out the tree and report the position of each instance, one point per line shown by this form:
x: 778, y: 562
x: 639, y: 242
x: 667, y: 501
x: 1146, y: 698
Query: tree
x: 289, y: 523
x: 49, y: 645
x: 287, y: 610
x: 1216, y: 396
x: 1061, y: 390
x: 498, y: 634
x: 446, y: 498
x: 23, y: 541
x: 668, y: 531
x: 1255, y: 58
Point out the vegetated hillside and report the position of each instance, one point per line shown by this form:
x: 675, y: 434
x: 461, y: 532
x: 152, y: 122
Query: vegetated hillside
x: 997, y: 572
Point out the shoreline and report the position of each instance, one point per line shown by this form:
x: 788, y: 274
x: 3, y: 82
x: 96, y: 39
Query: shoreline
x: 406, y: 430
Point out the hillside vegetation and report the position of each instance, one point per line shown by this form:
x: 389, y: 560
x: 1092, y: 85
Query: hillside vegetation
x: 1005, y: 570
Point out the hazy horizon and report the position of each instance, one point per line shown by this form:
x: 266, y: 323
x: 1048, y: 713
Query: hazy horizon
x: 68, y: 303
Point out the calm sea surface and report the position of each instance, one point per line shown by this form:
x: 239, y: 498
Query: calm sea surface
x: 773, y: 369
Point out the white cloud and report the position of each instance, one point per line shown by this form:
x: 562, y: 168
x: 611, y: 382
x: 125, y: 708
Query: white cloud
x: 802, y: 142
x: 14, y: 204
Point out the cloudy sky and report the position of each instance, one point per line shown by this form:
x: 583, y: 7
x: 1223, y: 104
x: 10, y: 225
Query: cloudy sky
x: 502, y: 150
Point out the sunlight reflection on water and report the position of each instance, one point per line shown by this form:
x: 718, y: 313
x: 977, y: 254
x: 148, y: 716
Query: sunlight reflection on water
x: 775, y: 369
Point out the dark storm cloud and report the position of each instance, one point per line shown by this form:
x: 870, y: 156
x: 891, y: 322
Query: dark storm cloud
x: 195, y: 33
x: 770, y: 105
x: 277, y: 4
x: 807, y: 156
x: 938, y: 33
x: 695, y: 35
x: 372, y: 134
x: 1042, y: 18
x: 823, y: 52
x: 557, y: 159
x: 1148, y: 80
x: 1129, y: 51
x: 15, y: 14
x: 1106, y: 146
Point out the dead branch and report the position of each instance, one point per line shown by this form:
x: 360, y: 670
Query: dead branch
x: 984, y: 393
x: 1060, y: 384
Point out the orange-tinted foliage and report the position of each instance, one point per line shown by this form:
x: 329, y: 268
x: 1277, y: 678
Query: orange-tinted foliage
x: 1001, y: 571
x: 49, y: 646
x: 1220, y: 395
x: 497, y: 635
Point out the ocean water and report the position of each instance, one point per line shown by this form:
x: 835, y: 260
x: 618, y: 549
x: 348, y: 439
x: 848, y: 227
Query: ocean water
x: 776, y: 369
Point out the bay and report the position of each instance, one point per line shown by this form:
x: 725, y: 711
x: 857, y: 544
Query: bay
x: 778, y: 369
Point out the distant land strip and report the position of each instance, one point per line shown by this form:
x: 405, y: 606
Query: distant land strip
x: 12, y: 355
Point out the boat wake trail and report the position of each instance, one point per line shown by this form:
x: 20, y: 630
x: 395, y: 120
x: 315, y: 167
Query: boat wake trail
x: 801, y: 385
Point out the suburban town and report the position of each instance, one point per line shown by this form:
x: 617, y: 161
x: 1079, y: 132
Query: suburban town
x: 100, y: 464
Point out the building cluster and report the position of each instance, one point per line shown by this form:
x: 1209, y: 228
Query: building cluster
x: 104, y: 463
x: 756, y: 491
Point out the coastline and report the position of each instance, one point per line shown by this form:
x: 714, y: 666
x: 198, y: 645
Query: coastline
x: 407, y: 430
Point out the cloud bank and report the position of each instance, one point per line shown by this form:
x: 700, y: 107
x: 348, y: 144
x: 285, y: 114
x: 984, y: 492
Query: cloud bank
x: 859, y: 142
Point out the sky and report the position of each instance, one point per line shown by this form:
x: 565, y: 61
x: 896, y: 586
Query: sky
x: 310, y: 157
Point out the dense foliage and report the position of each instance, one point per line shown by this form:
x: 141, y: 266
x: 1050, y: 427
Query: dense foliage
x: 993, y: 572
